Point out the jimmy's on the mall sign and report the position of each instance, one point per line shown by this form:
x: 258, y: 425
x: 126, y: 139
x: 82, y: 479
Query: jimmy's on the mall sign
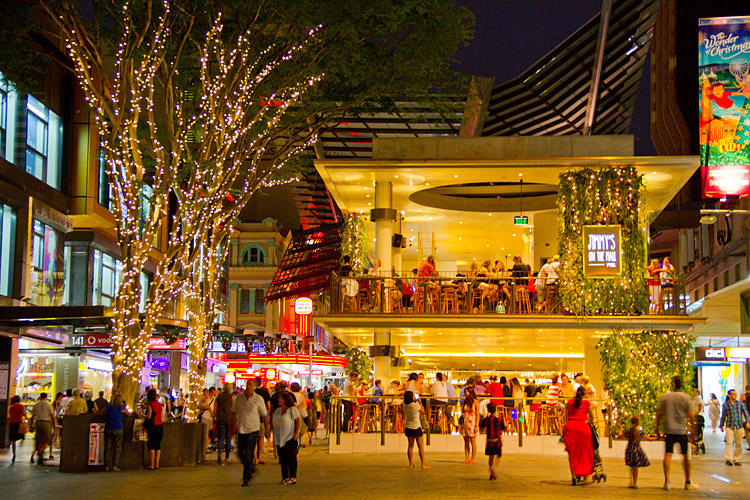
x: 602, y: 256
x: 303, y: 308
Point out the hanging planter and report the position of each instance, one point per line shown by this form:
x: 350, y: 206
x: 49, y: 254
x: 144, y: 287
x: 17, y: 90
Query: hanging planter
x: 226, y: 340
x: 269, y: 346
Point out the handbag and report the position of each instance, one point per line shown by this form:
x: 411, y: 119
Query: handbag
x: 500, y: 308
x: 594, y: 436
x: 23, y: 427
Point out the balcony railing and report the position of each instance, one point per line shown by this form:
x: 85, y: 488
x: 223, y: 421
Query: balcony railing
x: 454, y: 294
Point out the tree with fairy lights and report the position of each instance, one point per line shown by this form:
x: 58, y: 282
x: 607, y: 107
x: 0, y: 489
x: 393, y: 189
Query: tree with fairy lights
x: 195, y: 114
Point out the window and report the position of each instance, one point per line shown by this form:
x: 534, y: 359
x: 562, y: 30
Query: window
x: 253, y: 255
x: 104, y: 194
x: 259, y: 306
x: 245, y: 301
x: 106, y: 279
x: 43, y: 143
x: 7, y: 121
x: 7, y: 249
x: 48, y: 276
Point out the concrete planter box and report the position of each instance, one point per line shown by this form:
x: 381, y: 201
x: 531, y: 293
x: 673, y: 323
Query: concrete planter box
x: 183, y: 444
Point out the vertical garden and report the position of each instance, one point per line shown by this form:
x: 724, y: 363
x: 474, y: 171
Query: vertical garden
x: 598, y: 197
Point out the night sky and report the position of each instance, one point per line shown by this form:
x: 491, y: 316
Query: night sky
x: 510, y: 35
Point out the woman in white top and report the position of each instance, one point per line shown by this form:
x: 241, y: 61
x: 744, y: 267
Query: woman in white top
x: 286, y: 423
x: 413, y: 412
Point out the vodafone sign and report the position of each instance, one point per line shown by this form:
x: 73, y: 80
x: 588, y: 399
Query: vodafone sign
x: 103, y: 341
x: 303, y: 306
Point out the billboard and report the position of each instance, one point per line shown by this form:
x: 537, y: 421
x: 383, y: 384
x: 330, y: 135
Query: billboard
x: 602, y: 253
x: 724, y: 105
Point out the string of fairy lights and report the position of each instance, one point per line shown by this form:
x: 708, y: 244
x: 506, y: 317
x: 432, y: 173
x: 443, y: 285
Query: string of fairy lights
x: 243, y: 142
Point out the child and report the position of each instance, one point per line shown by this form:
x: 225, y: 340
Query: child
x: 494, y: 447
x: 635, y: 457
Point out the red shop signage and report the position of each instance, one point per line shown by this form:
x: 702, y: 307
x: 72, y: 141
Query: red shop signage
x: 720, y: 181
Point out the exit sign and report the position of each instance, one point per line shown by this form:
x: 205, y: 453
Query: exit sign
x: 521, y: 220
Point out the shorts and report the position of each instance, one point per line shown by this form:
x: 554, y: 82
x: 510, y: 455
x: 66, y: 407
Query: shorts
x: 14, y: 434
x: 413, y: 433
x: 44, y: 432
x: 155, y: 435
x: 671, y: 439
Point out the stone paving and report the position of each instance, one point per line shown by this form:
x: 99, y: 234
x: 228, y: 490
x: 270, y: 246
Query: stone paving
x: 381, y: 476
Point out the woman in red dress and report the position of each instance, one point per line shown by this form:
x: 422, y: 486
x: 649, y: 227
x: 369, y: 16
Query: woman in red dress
x: 577, y: 437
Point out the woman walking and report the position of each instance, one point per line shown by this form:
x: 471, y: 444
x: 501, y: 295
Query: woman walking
x: 286, y: 425
x: 578, y: 438
x: 155, y: 428
x: 413, y: 412
x: 16, y: 419
x: 469, y: 425
x: 714, y: 410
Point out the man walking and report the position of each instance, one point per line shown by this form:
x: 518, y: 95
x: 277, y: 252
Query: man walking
x: 747, y: 405
x: 248, y: 410
x: 731, y: 418
x: 224, y: 403
x: 676, y: 408
x: 43, y: 419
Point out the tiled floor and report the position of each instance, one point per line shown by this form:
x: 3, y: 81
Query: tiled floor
x: 378, y: 476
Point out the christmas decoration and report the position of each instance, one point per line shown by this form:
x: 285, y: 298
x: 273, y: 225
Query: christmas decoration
x: 605, y: 196
x: 637, y: 368
x: 226, y: 340
x: 269, y: 346
x: 355, y: 243
x: 358, y: 362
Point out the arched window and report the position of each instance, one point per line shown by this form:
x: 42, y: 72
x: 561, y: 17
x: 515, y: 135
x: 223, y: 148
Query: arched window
x: 253, y: 254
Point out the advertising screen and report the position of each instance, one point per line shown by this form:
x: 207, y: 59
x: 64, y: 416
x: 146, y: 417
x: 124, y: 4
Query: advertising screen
x: 724, y: 105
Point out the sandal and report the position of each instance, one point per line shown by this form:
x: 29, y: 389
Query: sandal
x: 292, y: 481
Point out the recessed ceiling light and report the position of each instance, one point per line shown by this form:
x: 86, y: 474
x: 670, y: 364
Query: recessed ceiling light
x: 514, y: 234
x: 367, y: 195
x: 426, y: 183
x: 460, y: 222
x: 396, y: 176
x: 520, y: 175
x: 455, y: 176
x: 459, y: 238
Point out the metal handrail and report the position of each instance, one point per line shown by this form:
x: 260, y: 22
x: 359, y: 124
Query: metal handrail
x: 337, y: 407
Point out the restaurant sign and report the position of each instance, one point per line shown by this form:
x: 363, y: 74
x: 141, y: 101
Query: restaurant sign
x: 602, y: 254
x: 724, y: 105
x: 104, y: 341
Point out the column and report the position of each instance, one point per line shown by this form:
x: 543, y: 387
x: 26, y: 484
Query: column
x: 383, y: 353
x: 234, y: 244
x: 233, y: 303
x: 383, y: 216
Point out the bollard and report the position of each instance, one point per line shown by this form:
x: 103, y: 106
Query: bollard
x: 382, y: 421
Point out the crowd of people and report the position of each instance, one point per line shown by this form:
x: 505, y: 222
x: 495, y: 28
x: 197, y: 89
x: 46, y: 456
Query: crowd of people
x: 489, y: 286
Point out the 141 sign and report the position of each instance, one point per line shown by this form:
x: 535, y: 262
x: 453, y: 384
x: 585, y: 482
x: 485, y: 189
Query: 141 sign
x: 602, y: 256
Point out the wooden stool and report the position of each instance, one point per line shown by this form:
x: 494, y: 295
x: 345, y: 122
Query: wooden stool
x: 550, y: 303
x: 363, y: 299
x: 523, y: 305
x: 450, y: 300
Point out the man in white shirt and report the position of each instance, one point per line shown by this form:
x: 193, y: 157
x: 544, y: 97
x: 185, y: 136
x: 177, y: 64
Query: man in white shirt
x: 247, y: 411
x: 350, y: 391
x: 439, y: 390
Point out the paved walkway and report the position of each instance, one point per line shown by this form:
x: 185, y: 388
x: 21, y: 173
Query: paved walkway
x: 371, y: 477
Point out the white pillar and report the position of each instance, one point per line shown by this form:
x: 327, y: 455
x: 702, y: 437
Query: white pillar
x: 382, y: 368
x: 383, y: 226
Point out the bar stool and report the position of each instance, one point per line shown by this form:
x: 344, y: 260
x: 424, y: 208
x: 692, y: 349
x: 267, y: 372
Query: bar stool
x: 550, y: 303
x: 363, y: 299
x: 450, y: 299
x: 522, y: 301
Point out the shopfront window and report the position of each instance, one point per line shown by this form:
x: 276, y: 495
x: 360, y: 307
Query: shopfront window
x: 48, y: 276
x: 7, y: 249
x: 44, y: 133
x: 106, y: 280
